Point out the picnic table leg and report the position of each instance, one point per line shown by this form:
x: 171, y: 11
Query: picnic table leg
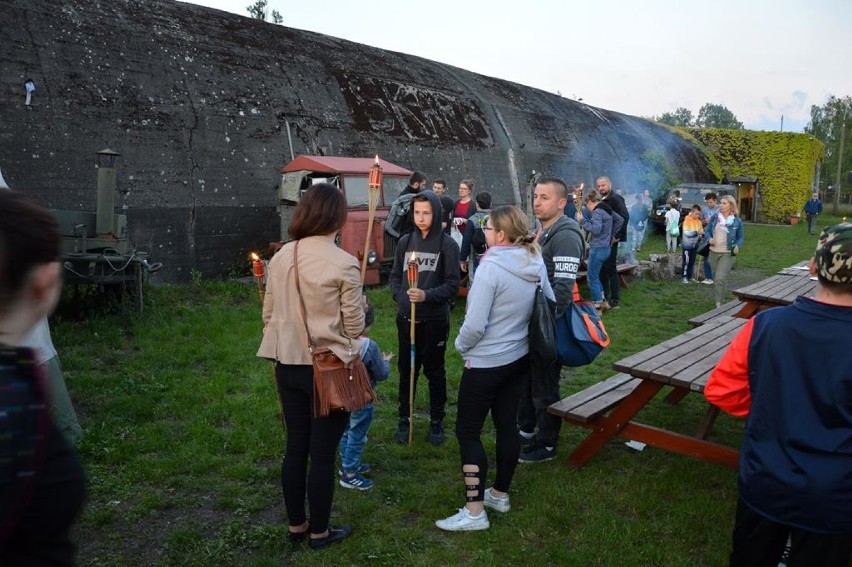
x: 709, y: 420
x: 607, y: 427
x: 748, y: 309
x: 621, y: 281
x: 676, y: 395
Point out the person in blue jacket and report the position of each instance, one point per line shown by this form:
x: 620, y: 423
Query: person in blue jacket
x: 724, y: 232
x: 788, y: 373
x: 813, y: 208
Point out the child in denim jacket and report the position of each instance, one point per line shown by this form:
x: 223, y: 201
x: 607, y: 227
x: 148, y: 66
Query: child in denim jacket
x: 355, y: 436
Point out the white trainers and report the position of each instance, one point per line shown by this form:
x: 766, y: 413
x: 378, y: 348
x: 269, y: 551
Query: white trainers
x: 501, y: 504
x: 707, y: 281
x: 464, y: 522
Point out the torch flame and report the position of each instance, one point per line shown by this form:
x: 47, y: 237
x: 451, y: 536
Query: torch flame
x: 254, y: 256
x: 413, y: 257
x: 377, y: 159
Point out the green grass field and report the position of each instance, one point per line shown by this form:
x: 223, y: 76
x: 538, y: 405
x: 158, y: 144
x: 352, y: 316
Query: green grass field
x: 183, y: 445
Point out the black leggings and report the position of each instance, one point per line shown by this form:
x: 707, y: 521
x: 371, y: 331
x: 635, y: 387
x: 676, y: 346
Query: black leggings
x: 307, y: 436
x: 483, y: 390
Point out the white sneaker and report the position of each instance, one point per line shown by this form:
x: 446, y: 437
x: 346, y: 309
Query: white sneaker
x: 685, y: 280
x: 464, y: 522
x: 708, y: 282
x: 501, y: 504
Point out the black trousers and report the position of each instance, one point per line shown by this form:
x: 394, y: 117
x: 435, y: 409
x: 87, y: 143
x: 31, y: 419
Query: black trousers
x: 39, y: 534
x: 430, y: 343
x: 539, y: 390
x: 496, y: 390
x: 609, y: 276
x: 760, y: 542
x: 307, y: 437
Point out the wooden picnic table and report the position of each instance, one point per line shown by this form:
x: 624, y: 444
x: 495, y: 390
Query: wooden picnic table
x: 684, y: 363
x: 781, y: 289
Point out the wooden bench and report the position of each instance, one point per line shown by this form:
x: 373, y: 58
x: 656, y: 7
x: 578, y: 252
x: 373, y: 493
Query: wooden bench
x: 589, y: 404
x: 729, y: 309
x: 622, y: 269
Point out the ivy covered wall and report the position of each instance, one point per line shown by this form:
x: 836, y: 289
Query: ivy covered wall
x: 783, y: 162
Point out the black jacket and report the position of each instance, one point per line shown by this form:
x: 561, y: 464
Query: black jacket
x: 616, y: 203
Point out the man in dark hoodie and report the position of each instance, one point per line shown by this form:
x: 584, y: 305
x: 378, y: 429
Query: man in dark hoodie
x: 437, y: 258
x: 609, y: 270
x: 562, y: 247
x: 416, y: 184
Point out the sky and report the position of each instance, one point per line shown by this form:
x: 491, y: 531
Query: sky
x: 762, y: 59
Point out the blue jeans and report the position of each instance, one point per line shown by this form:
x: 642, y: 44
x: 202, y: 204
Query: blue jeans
x: 708, y: 270
x: 355, y: 438
x: 597, y: 256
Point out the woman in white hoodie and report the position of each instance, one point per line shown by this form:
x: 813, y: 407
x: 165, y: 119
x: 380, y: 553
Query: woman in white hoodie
x: 493, y: 341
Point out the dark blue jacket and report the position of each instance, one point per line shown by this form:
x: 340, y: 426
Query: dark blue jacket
x: 796, y: 456
x: 813, y: 207
x: 735, y: 231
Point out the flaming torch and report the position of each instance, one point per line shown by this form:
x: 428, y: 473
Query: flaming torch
x: 578, y: 197
x: 412, y: 283
x: 257, y: 269
x: 374, y: 184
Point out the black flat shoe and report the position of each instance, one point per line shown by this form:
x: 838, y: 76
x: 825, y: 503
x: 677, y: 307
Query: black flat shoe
x: 299, y: 537
x: 335, y: 534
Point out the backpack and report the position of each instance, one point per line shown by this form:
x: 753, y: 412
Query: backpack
x: 398, y: 215
x: 477, y: 238
x: 674, y: 230
x: 580, y: 333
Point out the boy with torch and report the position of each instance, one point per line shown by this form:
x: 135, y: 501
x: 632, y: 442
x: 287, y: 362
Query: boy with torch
x: 423, y: 315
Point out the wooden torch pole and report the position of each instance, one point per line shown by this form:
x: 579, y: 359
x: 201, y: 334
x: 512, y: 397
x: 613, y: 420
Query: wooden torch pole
x: 374, y: 185
x: 412, y: 283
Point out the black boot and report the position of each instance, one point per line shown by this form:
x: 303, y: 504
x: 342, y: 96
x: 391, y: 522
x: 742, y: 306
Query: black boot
x: 401, y: 435
x: 436, y: 432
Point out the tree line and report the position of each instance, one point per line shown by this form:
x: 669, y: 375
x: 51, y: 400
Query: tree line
x: 831, y: 123
x: 709, y: 116
x: 258, y: 11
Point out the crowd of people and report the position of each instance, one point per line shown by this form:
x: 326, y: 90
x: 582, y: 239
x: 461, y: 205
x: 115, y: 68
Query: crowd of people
x: 513, y: 258
x: 804, y: 452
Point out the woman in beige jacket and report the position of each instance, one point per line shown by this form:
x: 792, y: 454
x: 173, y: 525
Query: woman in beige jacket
x: 331, y: 290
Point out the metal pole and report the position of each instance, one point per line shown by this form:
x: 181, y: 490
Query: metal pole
x: 289, y: 139
x: 836, y: 206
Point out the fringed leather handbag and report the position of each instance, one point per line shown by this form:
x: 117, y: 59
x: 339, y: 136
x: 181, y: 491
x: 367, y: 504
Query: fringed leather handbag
x: 337, y: 386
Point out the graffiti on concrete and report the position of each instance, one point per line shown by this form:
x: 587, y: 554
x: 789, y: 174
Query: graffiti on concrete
x: 414, y: 112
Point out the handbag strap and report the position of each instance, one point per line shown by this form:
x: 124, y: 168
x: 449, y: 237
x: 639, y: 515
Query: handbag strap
x: 299, y: 293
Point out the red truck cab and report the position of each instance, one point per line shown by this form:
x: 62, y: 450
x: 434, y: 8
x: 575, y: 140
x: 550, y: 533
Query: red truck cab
x: 350, y: 175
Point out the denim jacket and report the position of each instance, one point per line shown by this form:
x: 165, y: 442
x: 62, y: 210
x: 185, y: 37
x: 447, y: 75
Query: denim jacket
x: 735, y: 231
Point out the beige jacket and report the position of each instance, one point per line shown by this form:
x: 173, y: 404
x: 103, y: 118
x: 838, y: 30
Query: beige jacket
x: 331, y: 290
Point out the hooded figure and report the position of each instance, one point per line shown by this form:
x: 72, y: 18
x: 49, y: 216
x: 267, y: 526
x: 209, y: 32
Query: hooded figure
x: 437, y: 258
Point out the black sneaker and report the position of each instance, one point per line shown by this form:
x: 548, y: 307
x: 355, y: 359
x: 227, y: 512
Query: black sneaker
x: 614, y: 304
x: 436, y: 433
x: 401, y: 435
x: 537, y: 453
